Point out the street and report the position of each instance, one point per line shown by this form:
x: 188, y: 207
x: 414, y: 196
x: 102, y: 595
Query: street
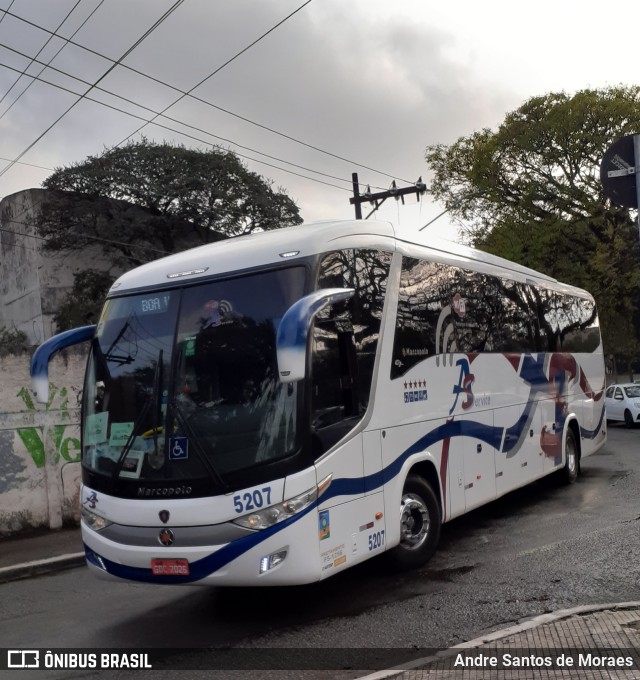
x: 540, y: 549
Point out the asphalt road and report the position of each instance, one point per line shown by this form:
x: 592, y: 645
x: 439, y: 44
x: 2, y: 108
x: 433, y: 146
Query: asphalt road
x: 542, y: 548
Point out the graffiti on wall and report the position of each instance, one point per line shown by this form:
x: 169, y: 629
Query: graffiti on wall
x: 65, y: 447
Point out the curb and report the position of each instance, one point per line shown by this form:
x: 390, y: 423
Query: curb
x: 40, y: 567
x: 522, y: 625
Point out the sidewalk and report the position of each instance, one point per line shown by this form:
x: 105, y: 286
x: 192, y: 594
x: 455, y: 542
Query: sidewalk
x: 584, y: 642
x: 40, y: 553
x: 601, y: 641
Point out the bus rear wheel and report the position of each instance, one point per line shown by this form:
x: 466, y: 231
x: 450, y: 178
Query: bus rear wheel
x: 420, y: 521
x: 571, y: 468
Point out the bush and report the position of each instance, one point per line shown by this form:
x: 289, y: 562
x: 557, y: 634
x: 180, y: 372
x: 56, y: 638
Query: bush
x: 12, y: 341
x: 82, y: 305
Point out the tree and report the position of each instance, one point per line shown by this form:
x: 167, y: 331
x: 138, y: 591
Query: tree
x: 143, y: 200
x: 531, y: 192
x: 82, y: 304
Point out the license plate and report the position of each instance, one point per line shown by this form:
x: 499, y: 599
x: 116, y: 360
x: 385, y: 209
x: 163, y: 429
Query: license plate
x: 170, y: 567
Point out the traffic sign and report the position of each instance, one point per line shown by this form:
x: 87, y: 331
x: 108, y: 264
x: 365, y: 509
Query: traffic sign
x: 618, y: 172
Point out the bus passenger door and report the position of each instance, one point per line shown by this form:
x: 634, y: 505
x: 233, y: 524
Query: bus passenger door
x: 551, y: 435
x: 372, y: 461
x: 508, y: 465
x: 531, y: 455
x: 479, y: 459
x: 334, y: 401
x: 519, y: 459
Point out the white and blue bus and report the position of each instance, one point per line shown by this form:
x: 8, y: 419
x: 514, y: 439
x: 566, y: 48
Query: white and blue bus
x: 275, y: 408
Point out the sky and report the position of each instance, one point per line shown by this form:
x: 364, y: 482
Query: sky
x: 364, y: 86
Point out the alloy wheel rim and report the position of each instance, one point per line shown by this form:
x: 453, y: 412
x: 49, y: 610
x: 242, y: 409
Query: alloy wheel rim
x: 414, y: 521
x: 571, y: 457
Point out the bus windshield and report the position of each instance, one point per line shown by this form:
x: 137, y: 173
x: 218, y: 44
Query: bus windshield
x: 182, y: 385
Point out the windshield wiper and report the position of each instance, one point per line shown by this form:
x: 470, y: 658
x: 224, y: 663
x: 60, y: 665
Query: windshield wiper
x: 129, y: 443
x: 200, y: 452
x: 152, y: 399
x: 155, y: 416
x: 178, y: 415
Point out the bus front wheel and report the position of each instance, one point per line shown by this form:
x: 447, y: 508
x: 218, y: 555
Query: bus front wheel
x: 420, y: 521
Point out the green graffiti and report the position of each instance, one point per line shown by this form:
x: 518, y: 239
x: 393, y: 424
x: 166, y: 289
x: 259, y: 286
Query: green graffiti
x: 67, y: 444
x: 33, y: 437
x: 26, y: 397
x: 33, y: 443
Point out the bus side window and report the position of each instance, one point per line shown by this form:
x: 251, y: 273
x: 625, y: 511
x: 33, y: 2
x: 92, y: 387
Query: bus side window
x: 345, y: 342
x: 424, y: 292
x: 334, y: 388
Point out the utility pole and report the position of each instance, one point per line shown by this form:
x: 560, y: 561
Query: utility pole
x: 636, y: 150
x: 380, y: 197
x: 356, y: 192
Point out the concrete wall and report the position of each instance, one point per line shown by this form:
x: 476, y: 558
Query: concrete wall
x: 40, y: 444
x: 33, y: 282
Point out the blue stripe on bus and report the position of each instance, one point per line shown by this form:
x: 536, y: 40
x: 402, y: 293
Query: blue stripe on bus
x: 348, y: 487
x: 456, y: 428
x: 201, y: 568
x: 591, y: 434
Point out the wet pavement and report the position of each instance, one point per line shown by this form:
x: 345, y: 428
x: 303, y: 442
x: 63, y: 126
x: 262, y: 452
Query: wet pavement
x: 600, y: 641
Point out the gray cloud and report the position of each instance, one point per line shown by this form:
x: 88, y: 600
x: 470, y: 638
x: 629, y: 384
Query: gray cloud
x: 365, y: 81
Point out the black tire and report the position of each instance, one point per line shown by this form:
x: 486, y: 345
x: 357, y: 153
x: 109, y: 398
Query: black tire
x: 571, y: 468
x: 420, y: 522
x: 628, y: 418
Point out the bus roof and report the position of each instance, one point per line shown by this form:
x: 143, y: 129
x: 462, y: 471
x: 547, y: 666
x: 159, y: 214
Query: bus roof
x: 291, y: 243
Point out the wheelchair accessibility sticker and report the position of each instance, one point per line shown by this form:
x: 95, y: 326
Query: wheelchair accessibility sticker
x: 178, y: 448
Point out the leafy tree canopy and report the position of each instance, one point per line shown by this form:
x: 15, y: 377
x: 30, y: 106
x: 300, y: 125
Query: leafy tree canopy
x: 143, y: 200
x: 82, y: 304
x: 530, y: 191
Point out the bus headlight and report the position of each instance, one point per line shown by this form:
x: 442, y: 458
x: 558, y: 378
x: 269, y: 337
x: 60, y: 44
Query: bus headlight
x: 94, y: 521
x: 263, y: 519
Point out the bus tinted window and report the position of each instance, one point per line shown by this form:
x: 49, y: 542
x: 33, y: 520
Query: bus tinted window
x: 578, y: 325
x: 345, y: 341
x: 442, y: 309
x: 424, y: 291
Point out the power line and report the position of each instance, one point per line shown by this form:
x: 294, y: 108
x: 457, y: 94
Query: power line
x: 17, y: 245
x: 34, y: 59
x: 67, y: 41
x: 170, y: 129
x: 6, y: 11
x: 87, y: 236
x: 127, y: 52
x: 42, y: 167
x: 49, y: 39
x: 157, y: 114
x: 437, y: 217
x: 211, y: 104
x: 213, y: 73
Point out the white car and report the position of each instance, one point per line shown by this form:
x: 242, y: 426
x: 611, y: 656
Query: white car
x: 622, y: 402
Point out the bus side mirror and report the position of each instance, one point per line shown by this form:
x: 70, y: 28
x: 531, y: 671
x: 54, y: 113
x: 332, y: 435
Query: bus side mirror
x: 293, y: 331
x: 42, y: 356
